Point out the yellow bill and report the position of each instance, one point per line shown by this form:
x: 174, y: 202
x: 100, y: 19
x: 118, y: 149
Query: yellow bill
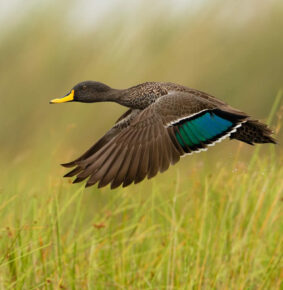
x: 67, y: 98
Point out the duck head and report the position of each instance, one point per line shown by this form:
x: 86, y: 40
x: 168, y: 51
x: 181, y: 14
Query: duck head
x: 86, y: 92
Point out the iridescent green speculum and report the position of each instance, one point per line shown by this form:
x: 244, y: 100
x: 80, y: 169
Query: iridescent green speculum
x: 201, y: 129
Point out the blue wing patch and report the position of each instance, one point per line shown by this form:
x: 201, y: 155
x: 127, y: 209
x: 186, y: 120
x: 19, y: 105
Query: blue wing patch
x: 202, y: 129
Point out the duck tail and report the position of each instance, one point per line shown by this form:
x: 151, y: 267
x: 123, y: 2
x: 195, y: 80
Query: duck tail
x: 252, y: 132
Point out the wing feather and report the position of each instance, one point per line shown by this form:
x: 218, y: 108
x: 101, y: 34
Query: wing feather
x: 113, y: 169
x: 133, y: 167
x: 145, y: 142
x: 119, y: 178
x: 98, y: 173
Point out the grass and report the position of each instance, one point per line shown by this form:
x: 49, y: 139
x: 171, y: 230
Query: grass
x: 211, y: 222
x: 216, y: 227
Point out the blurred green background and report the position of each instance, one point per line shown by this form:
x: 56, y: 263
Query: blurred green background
x: 212, y: 221
x: 231, y: 49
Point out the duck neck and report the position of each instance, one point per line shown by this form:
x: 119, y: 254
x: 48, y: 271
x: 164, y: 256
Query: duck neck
x: 111, y: 95
x: 126, y: 97
x: 121, y: 97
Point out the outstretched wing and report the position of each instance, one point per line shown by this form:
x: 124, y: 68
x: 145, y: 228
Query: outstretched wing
x: 156, y: 137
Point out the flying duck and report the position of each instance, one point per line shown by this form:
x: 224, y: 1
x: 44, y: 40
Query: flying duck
x: 164, y: 121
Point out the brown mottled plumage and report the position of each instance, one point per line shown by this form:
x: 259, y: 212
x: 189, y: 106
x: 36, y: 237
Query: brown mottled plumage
x: 164, y: 121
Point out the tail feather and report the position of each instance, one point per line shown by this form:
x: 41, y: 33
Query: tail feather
x: 252, y: 132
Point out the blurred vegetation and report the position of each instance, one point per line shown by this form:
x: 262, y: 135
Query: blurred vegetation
x: 231, y: 49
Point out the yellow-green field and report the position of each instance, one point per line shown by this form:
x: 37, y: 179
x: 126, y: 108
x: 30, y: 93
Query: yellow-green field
x: 213, y: 221
x: 209, y: 227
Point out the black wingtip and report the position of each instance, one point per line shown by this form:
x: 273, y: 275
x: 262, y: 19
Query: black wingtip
x: 69, y: 174
x: 89, y: 184
x: 114, y: 185
x: 69, y: 164
x: 77, y: 180
x: 73, y: 172
x: 100, y: 185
